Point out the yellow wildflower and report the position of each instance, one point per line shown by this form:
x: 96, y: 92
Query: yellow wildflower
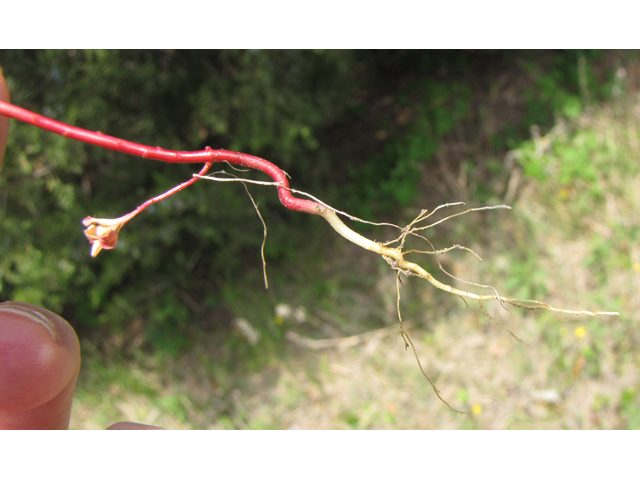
x: 580, y: 332
x: 476, y: 409
x: 564, y: 193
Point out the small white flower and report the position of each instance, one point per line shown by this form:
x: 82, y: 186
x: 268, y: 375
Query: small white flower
x: 283, y: 310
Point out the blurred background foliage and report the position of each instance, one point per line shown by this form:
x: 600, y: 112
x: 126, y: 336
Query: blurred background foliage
x: 351, y: 127
x: 368, y: 132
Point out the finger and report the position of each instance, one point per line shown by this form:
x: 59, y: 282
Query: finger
x: 132, y: 426
x: 4, y: 121
x: 39, y: 366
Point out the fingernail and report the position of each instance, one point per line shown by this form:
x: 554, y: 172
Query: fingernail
x: 28, y: 312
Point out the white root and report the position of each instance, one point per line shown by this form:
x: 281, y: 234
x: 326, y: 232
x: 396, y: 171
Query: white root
x: 394, y: 256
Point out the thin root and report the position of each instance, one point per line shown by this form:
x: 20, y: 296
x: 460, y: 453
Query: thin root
x: 477, y: 209
x: 444, y: 250
x: 437, y: 392
x: 233, y: 178
x: 497, y: 322
x: 408, y: 343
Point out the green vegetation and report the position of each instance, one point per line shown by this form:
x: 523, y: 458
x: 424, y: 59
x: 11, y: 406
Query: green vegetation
x: 380, y: 135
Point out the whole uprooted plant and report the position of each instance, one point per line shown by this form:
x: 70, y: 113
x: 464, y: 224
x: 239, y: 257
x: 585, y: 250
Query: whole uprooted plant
x: 103, y: 233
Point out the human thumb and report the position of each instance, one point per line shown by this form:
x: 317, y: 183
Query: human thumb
x: 39, y: 366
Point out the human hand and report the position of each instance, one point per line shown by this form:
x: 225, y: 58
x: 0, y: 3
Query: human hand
x: 39, y: 366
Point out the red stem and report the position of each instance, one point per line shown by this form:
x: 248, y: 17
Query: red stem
x: 169, y: 156
x: 175, y: 189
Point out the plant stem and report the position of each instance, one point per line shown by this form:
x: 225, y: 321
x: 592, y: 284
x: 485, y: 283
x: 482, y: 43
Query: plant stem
x: 169, y: 156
